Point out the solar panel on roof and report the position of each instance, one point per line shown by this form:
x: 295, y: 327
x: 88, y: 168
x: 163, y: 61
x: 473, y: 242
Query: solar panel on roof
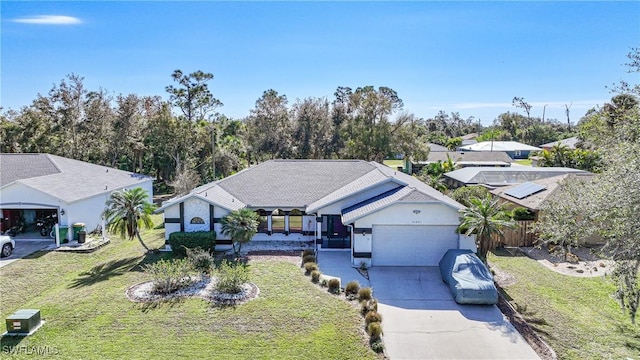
x: 525, y: 190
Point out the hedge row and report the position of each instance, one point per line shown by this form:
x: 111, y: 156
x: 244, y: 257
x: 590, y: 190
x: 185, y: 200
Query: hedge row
x: 206, y: 240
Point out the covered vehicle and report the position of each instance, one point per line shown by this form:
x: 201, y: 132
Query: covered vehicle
x: 468, y: 278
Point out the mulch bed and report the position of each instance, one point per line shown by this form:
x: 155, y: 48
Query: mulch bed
x: 203, y: 288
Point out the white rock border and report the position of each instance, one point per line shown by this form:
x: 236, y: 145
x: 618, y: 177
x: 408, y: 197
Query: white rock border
x: 203, y: 287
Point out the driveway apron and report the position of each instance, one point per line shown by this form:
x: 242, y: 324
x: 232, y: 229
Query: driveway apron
x: 422, y: 321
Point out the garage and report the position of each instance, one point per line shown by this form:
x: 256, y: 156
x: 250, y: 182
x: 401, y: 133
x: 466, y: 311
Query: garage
x: 411, y: 245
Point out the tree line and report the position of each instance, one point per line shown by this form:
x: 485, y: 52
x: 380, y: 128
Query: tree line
x: 185, y: 141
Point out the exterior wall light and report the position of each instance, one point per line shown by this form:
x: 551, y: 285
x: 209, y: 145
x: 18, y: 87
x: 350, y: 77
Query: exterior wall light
x: 416, y: 212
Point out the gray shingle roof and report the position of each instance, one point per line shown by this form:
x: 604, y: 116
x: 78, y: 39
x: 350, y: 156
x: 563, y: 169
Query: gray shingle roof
x: 292, y: 183
x: 569, y: 142
x: 369, y: 179
x: 507, y: 175
x: 24, y: 166
x: 535, y: 201
x: 73, y: 180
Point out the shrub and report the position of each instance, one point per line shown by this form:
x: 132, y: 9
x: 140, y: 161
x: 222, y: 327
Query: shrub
x: 231, y: 276
x: 377, y: 345
x: 308, y: 259
x: 372, y: 316
x: 200, y: 259
x: 364, y: 293
x: 324, y: 283
x: 315, y: 276
x: 374, y: 330
x: 352, y: 288
x: 308, y: 252
x: 180, y: 241
x: 334, y: 286
x: 169, y: 275
x: 309, y: 267
x: 521, y: 213
x: 368, y: 305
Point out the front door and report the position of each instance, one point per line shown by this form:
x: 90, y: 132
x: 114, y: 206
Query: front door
x: 337, y: 233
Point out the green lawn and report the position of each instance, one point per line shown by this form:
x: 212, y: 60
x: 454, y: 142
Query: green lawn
x: 576, y: 316
x: 81, y: 297
x: 393, y: 163
x: 526, y: 162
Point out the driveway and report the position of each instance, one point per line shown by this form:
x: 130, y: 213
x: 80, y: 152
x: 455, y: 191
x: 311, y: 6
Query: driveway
x: 25, y: 247
x: 422, y: 321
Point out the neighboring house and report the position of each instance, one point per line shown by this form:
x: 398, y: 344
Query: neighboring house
x: 570, y: 143
x: 493, y: 177
x: 383, y: 216
x: 34, y: 185
x: 436, y: 148
x: 514, y: 149
x: 464, y: 159
x: 532, y: 196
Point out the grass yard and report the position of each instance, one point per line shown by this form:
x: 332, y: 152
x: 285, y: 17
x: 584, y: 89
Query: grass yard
x: 576, y: 316
x: 81, y: 297
x: 393, y: 163
x: 525, y: 162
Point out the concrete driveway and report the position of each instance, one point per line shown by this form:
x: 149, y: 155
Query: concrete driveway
x: 25, y: 247
x: 422, y: 321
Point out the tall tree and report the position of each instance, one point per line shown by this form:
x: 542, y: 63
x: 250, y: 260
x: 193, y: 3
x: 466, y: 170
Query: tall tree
x: 193, y: 96
x: 127, y: 210
x: 370, y: 131
x: 269, y: 127
x: 313, y: 128
x: 520, y: 103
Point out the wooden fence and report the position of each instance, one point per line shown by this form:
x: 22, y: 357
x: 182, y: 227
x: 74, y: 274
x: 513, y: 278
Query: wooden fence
x: 521, y: 235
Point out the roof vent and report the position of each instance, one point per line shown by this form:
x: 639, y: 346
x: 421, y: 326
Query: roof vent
x: 105, y: 187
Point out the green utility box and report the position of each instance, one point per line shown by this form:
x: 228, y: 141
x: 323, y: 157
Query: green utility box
x: 77, y: 227
x: 23, y: 321
x: 62, y: 233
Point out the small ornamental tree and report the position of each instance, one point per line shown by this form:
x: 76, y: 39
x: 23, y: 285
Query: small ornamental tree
x: 484, y: 218
x: 127, y: 210
x: 241, y: 225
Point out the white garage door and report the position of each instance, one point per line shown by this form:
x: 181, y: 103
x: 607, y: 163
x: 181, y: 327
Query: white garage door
x: 411, y: 245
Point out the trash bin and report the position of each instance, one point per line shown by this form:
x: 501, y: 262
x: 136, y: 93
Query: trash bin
x: 62, y: 234
x: 82, y: 236
x: 77, y: 227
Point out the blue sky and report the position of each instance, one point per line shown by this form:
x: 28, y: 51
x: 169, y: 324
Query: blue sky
x: 470, y: 57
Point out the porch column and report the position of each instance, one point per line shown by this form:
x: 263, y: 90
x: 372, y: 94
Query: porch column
x: 319, y: 230
x: 269, y: 229
x: 286, y: 223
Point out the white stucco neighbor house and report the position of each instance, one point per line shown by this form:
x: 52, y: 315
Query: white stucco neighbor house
x: 383, y: 216
x: 33, y: 185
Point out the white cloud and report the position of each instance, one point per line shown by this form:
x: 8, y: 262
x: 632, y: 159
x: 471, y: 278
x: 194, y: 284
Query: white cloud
x: 48, y: 20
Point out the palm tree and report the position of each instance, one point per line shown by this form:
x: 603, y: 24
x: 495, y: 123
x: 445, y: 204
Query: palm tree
x: 241, y: 225
x: 484, y: 218
x: 437, y: 182
x: 126, y: 210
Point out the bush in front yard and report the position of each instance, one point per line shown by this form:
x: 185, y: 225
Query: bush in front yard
x: 309, y: 267
x: 372, y: 316
x: 169, y: 275
x: 315, y: 276
x: 308, y: 252
x: 308, y: 259
x: 352, y: 288
x: 334, y: 286
x: 368, y: 305
x: 231, y: 276
x: 377, y: 345
x: 364, y: 294
x: 374, y: 330
x: 205, y: 240
x: 200, y: 259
